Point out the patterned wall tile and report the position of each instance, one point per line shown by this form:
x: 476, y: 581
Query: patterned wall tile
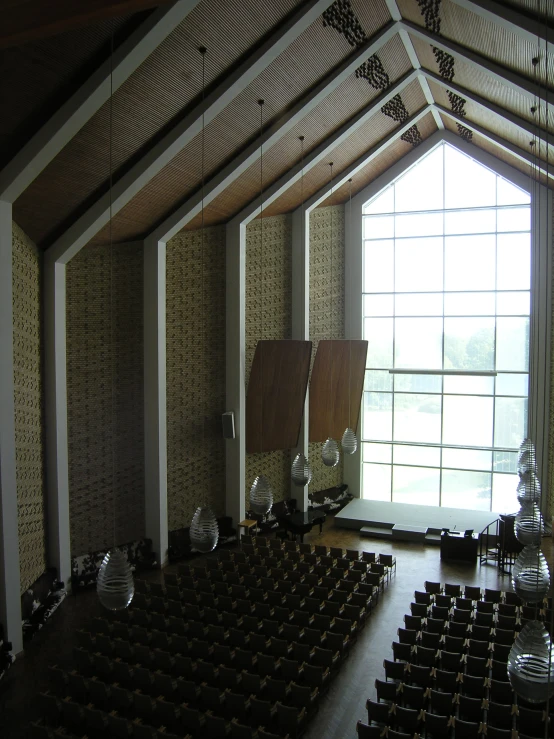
x: 29, y: 406
x: 195, y: 374
x: 105, y: 413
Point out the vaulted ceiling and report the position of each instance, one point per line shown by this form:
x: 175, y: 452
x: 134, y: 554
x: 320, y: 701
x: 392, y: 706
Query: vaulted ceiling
x: 363, y: 81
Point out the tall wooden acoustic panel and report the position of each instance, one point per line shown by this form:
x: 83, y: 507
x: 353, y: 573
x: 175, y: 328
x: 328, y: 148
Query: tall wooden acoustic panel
x: 276, y: 394
x: 336, y: 387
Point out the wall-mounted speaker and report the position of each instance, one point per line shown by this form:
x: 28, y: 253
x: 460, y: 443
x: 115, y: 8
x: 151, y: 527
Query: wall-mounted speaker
x: 228, y: 423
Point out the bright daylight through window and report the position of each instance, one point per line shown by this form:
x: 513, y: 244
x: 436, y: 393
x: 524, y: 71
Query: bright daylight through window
x: 446, y: 294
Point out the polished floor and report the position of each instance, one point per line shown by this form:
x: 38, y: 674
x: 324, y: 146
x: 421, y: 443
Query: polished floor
x: 345, y: 704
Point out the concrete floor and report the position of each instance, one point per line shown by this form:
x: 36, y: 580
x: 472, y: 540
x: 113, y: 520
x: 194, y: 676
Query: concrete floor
x: 345, y: 704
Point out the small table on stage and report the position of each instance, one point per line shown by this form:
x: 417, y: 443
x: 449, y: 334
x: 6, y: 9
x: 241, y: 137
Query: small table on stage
x: 301, y: 522
x: 455, y: 545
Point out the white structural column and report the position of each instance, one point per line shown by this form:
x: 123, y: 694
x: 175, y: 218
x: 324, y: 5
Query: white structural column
x: 155, y: 393
x: 301, y: 327
x: 10, y: 595
x: 235, y: 345
x: 57, y: 466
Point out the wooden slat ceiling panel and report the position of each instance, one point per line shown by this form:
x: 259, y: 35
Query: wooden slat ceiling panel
x: 394, y: 152
x: 484, y: 37
x: 152, y: 98
x: 182, y: 176
x: 493, y: 149
x: 35, y: 79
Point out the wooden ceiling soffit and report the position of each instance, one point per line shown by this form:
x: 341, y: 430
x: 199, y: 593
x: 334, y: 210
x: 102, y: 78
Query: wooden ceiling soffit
x: 276, y: 394
x: 336, y: 387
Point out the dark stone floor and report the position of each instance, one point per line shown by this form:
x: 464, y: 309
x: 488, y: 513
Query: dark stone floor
x: 345, y: 703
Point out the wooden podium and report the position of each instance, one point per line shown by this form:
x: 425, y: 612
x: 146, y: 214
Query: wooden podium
x: 455, y: 545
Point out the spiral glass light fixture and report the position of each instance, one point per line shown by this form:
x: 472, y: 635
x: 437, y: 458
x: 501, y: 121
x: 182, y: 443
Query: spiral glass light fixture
x: 301, y: 473
x: 114, y: 586
x: 349, y: 441
x: 330, y: 453
x: 531, y: 665
x: 261, y: 496
x: 529, y: 525
x: 529, y: 488
x: 530, y: 576
x: 204, y: 531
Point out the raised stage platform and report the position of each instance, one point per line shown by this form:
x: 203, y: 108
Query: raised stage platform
x: 407, y: 522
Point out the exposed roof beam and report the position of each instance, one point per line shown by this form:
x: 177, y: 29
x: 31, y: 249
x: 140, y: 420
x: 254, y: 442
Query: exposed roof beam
x: 39, y: 151
x: 322, y: 150
x: 530, y: 29
x: 523, y: 156
x: 27, y: 20
x: 173, y: 142
x: 364, y: 160
x: 228, y: 174
x: 505, y: 76
x: 528, y: 127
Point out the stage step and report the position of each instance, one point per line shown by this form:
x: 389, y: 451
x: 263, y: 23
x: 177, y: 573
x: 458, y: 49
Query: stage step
x: 404, y: 532
x: 378, y: 532
x: 433, y: 539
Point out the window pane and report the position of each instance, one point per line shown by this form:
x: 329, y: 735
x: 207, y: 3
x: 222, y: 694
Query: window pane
x: 419, y: 304
x: 513, y: 304
x: 470, y: 490
x: 416, y: 485
x: 378, y: 305
x: 513, y: 262
x: 381, y: 453
x: 419, y: 224
x: 512, y: 344
x: 460, y: 385
x: 467, y: 459
x: 379, y: 227
x: 512, y: 384
x: 377, y: 380
x: 376, y: 481
x: 508, y: 194
x: 418, y: 265
x: 467, y: 420
x: 378, y: 266
x: 377, y: 416
x: 514, y: 219
x: 504, y: 498
x: 418, y: 383
x: 470, y: 222
x: 467, y: 184
x: 420, y: 456
x: 469, y: 343
x: 469, y: 263
x: 383, y: 203
x: 469, y: 304
x: 421, y: 187
x: 505, y: 462
x: 510, y: 422
x: 417, y: 418
x: 418, y: 343
x: 378, y: 334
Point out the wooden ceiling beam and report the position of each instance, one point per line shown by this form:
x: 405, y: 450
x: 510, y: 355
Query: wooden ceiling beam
x: 531, y: 29
x: 523, y: 156
x: 520, y: 84
x: 155, y: 159
x: 23, y: 21
x: 291, y: 118
x: 39, y: 151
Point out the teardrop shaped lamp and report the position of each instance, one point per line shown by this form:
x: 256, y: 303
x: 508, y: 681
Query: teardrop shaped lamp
x: 330, y: 453
x: 529, y: 525
x: 527, y: 461
x: 301, y: 474
x: 115, y: 586
x: 530, y: 576
x: 529, y: 488
x: 349, y: 442
x: 204, y: 531
x: 261, y: 496
x: 531, y: 664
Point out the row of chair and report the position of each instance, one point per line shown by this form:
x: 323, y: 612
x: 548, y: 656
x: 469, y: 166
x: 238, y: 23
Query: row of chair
x: 474, y: 592
x: 504, y: 615
x: 440, y: 727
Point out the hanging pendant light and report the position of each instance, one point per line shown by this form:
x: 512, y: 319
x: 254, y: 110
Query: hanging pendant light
x: 261, y: 496
x: 527, y: 461
x: 301, y: 474
x: 531, y: 664
x: 529, y: 525
x: 530, y: 576
x: 114, y: 585
x: 349, y: 441
x: 529, y: 488
x: 330, y: 453
x: 204, y: 531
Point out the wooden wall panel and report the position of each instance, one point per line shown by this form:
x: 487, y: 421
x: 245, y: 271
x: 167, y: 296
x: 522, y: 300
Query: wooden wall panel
x: 276, y: 394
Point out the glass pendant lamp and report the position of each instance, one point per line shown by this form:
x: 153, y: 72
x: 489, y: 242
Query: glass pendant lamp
x: 330, y: 453
x: 529, y: 488
x: 529, y: 525
x: 349, y: 442
x: 204, y: 531
x: 301, y: 473
x: 261, y: 496
x: 114, y: 586
x: 531, y: 665
x: 530, y: 576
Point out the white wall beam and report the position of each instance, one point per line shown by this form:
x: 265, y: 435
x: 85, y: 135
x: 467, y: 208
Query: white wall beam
x: 39, y: 151
x: 98, y: 215
x: 155, y: 397
x: 10, y: 594
x: 285, y: 123
x: 55, y: 388
x: 235, y: 347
